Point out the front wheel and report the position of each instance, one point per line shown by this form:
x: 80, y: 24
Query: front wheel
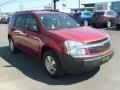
x: 12, y: 45
x: 118, y: 26
x: 53, y: 65
x: 94, y: 25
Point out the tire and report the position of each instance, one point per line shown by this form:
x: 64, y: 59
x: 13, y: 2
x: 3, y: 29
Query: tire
x: 53, y: 65
x: 109, y: 24
x: 12, y: 45
x: 86, y: 23
x: 94, y: 25
x: 118, y: 26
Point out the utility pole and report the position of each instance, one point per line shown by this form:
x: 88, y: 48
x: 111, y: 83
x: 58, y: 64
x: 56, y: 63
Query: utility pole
x: 0, y: 11
x: 21, y: 5
x: 54, y: 4
x: 79, y: 4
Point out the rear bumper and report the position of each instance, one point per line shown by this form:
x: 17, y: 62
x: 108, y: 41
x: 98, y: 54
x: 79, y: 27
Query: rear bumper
x: 102, y: 22
x: 84, y: 63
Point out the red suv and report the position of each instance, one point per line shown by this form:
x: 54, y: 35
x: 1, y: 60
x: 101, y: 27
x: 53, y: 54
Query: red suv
x: 59, y: 41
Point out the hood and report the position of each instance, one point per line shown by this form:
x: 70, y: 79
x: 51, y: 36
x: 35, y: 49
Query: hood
x: 82, y: 34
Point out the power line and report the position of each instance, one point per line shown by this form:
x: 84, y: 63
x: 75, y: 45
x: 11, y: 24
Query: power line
x: 8, y: 2
x: 33, y: 7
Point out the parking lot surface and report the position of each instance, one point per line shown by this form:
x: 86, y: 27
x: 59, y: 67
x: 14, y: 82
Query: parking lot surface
x: 23, y: 72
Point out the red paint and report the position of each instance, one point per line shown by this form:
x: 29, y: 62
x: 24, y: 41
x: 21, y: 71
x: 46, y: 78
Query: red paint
x: 33, y: 42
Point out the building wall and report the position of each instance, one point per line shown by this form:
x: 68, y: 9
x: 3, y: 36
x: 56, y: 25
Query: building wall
x: 115, y: 6
x: 101, y: 6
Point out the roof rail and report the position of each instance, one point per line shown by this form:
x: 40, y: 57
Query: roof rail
x: 37, y: 10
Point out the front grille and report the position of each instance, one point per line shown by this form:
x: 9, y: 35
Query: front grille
x: 99, y: 41
x: 101, y: 47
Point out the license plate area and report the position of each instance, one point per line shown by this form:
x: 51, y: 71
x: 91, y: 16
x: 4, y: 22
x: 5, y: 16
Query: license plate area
x: 105, y: 59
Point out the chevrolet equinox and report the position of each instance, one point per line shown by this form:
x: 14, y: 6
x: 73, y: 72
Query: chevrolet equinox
x: 59, y: 41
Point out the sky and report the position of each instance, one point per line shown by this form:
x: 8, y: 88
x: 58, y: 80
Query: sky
x: 15, y: 5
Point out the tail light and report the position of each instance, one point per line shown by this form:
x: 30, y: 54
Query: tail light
x: 103, y: 17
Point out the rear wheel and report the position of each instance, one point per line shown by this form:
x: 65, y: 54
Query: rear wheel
x: 109, y: 24
x: 12, y: 45
x: 118, y: 26
x: 94, y: 25
x: 53, y: 65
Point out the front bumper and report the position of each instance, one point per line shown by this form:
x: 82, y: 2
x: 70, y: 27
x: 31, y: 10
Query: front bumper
x: 84, y: 63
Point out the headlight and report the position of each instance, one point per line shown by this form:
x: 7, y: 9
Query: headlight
x: 108, y: 36
x: 74, y: 48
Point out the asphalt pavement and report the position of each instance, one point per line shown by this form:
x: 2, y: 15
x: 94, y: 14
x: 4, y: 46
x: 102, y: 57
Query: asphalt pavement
x: 23, y: 72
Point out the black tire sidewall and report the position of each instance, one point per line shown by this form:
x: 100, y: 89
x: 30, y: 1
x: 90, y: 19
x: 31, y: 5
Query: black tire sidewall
x: 59, y: 69
x: 14, y: 49
x: 118, y: 26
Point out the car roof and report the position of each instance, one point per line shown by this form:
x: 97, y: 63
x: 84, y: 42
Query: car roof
x: 38, y: 12
x: 104, y: 10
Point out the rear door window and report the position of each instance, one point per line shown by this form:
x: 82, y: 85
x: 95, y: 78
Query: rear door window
x: 98, y: 13
x: 12, y: 20
x: 20, y: 21
x: 31, y: 23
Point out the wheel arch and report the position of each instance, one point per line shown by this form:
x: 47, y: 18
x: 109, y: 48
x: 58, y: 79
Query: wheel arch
x: 44, y: 49
x: 9, y: 36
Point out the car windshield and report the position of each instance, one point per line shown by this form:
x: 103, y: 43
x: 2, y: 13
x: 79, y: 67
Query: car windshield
x: 87, y: 13
x: 58, y: 21
x: 111, y: 13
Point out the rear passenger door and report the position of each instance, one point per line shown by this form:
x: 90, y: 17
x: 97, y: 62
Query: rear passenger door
x: 18, y: 31
x: 32, y: 37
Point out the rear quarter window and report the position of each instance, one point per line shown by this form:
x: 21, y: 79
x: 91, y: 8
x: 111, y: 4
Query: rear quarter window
x: 12, y: 20
x: 111, y: 13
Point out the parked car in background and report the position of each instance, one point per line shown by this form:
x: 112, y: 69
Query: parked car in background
x: 59, y: 41
x: 104, y: 17
x: 118, y: 20
x: 4, y: 19
x: 0, y: 18
x: 82, y: 17
x: 8, y: 19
